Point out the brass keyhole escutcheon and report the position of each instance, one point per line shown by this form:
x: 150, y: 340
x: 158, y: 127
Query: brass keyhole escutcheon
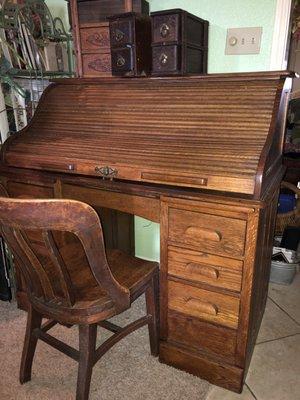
x: 119, y: 35
x: 163, y: 59
x: 106, y: 172
x: 120, y: 61
x: 164, y: 30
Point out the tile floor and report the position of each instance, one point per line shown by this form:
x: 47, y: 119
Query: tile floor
x: 274, y: 372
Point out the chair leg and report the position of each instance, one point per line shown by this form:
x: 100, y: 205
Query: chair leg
x: 152, y: 303
x: 87, y: 345
x: 34, y: 320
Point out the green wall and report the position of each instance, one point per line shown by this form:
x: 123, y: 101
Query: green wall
x: 59, y: 8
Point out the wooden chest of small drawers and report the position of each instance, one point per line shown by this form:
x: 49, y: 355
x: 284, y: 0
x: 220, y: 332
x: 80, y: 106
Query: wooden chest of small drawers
x: 90, y: 28
x: 179, y: 43
x: 130, y: 37
x: 95, y: 49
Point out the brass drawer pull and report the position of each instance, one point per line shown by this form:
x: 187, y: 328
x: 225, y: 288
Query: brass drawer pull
x: 204, y: 270
x: 202, y: 306
x: 204, y: 233
x: 163, y: 59
x: 119, y: 35
x: 107, y: 172
x: 164, y: 30
x: 121, y: 61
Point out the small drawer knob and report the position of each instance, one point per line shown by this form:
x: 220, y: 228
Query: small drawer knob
x: 120, y: 61
x: 164, y: 30
x: 163, y: 59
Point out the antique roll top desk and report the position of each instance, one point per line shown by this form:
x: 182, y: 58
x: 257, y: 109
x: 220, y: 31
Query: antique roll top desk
x: 201, y: 156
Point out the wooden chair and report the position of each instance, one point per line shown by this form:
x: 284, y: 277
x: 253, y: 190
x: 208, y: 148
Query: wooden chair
x: 71, y: 279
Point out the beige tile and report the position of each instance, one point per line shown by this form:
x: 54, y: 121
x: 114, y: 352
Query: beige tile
x: 275, y: 369
x: 288, y: 297
x: 276, y: 324
x: 217, y: 393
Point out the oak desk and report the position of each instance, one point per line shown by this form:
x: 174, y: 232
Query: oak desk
x: 201, y: 156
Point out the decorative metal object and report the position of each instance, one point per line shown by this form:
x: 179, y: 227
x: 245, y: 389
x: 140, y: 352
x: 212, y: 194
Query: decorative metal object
x: 107, y: 172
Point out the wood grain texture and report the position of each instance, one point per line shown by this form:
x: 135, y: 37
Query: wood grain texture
x: 215, y: 371
x: 132, y: 204
x: 71, y: 279
x: 95, y: 39
x: 206, y: 268
x: 192, y: 129
x: 95, y: 11
x: 203, y: 304
x: 202, y: 156
x: 213, y: 340
x: 206, y: 232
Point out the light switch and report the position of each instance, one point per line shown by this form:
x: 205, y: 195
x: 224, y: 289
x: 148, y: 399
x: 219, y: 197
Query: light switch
x: 243, y: 40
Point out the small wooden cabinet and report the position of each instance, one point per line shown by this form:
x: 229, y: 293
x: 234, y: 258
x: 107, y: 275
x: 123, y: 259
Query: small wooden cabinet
x: 130, y: 37
x: 179, y: 43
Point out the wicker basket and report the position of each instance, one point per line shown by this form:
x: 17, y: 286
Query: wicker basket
x: 291, y: 218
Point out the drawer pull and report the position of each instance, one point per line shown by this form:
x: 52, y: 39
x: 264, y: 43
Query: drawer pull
x: 205, y: 270
x: 163, y: 59
x: 204, y: 233
x: 204, y: 307
x: 164, y: 30
x: 119, y: 35
x: 121, y: 61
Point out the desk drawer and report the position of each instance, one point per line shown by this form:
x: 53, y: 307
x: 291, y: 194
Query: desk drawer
x: 205, y: 268
x: 166, y: 28
x: 96, y: 64
x: 206, y: 232
x: 215, y: 340
x: 121, y: 32
x: 95, y: 39
x: 209, y: 306
x: 29, y: 191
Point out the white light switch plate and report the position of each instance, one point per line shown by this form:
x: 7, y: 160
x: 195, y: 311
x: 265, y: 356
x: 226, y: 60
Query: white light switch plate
x: 243, y: 40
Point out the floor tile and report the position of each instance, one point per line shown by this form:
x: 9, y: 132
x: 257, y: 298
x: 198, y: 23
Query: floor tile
x: 287, y: 297
x: 276, y: 324
x: 217, y: 393
x: 275, y: 369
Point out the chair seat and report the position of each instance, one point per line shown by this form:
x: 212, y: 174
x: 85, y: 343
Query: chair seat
x: 92, y: 302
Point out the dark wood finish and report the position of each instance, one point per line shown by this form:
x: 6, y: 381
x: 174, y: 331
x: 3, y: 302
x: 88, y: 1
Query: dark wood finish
x: 130, y: 37
x: 179, y: 43
x: 197, y: 155
x: 72, y: 279
x: 98, y: 10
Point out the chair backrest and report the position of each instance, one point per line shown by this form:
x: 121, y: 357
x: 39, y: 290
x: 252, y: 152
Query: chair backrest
x: 21, y: 220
